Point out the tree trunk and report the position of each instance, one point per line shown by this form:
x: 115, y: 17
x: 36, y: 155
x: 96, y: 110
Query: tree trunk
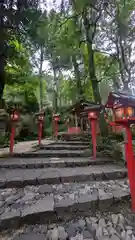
x: 55, y: 97
x: 91, y: 63
x: 40, y: 78
x: 95, y: 87
x: 2, y: 55
x: 78, y: 78
x: 2, y: 75
x: 92, y: 75
x: 121, y: 39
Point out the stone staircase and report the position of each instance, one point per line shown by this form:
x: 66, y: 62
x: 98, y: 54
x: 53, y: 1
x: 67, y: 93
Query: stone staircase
x: 65, y: 136
x: 44, y: 192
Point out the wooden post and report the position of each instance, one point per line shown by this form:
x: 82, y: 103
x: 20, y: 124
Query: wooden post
x: 81, y: 124
x: 76, y: 121
x: 94, y: 142
x: 131, y: 165
x: 12, y: 136
x: 14, y: 119
x: 40, y: 132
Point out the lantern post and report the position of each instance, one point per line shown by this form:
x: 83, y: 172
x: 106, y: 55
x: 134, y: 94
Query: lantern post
x: 40, y: 126
x: 92, y: 116
x: 56, y: 118
x: 124, y: 115
x: 14, y: 119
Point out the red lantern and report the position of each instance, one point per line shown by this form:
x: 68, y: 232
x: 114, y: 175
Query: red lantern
x: 15, y: 116
x: 56, y: 119
x: 119, y: 113
x: 92, y: 115
x: 41, y: 118
x: 130, y: 112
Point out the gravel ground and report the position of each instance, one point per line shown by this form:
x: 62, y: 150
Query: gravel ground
x: 114, y: 226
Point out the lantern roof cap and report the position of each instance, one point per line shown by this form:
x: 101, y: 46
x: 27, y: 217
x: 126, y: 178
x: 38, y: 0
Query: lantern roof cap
x: 93, y: 108
x: 56, y: 114
x: 40, y: 113
x: 123, y: 98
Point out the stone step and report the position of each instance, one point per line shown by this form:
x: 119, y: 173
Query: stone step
x: 53, y: 153
x: 104, y: 225
x: 63, y: 147
x: 86, y: 143
x: 20, y: 178
x: 46, y: 203
x: 14, y: 163
x: 73, y: 137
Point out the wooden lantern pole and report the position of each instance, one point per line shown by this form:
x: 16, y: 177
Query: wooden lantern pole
x: 93, y: 121
x: 14, y: 119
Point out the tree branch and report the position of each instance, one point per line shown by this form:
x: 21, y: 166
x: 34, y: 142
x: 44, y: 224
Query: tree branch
x: 95, y: 24
x: 105, y: 53
x: 68, y: 18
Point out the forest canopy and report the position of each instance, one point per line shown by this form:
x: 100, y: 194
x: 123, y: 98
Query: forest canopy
x: 56, y: 52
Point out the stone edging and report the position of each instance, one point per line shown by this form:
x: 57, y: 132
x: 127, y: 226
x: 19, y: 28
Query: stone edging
x: 39, y: 177
x: 63, y: 147
x: 47, y: 153
x: 56, y: 162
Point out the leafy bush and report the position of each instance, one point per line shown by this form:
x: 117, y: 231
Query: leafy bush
x: 4, y: 140
x: 48, y: 132
x: 62, y: 128
x: 26, y: 135
x: 47, y: 121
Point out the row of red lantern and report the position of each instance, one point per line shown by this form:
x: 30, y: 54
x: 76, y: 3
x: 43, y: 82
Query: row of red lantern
x: 15, y: 117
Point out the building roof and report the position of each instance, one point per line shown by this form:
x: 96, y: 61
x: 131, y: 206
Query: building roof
x: 120, y: 98
x: 79, y: 106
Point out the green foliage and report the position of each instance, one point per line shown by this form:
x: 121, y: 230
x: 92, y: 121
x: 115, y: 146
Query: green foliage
x: 74, y: 44
x: 24, y: 93
x: 4, y: 140
x: 18, y: 65
x: 48, y: 131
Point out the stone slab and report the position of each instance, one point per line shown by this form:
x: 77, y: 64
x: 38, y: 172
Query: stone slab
x: 19, y: 178
x: 30, y: 236
x: 52, y: 153
x: 65, y: 203
x: 78, y: 197
x: 100, y: 227
x: 42, y: 206
x: 87, y: 202
x: 86, y: 143
x: 105, y: 199
x: 10, y: 219
x: 118, y: 195
x: 23, y: 163
x: 63, y: 147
